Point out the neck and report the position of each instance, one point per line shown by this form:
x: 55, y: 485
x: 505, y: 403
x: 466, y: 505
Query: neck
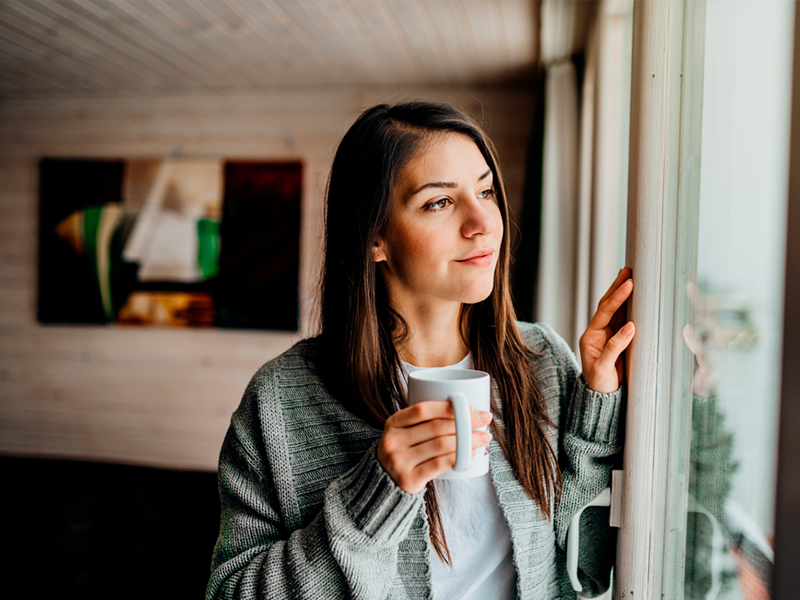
x: 434, y: 338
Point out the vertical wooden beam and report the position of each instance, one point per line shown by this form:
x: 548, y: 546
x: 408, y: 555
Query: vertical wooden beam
x: 660, y: 205
x: 787, y: 516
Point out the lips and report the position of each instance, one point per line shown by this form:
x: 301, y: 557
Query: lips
x: 481, y: 257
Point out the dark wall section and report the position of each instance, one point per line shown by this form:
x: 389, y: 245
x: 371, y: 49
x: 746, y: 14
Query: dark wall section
x: 525, y: 266
x: 100, y: 531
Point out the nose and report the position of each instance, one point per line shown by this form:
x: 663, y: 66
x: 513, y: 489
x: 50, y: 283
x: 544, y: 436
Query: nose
x: 477, y: 219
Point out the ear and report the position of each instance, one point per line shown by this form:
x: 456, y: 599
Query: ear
x: 378, y: 252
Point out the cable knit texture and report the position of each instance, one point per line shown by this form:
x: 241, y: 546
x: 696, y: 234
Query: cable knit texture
x: 309, y: 513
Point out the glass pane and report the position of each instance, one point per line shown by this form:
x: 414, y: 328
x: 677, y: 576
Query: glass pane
x: 738, y: 298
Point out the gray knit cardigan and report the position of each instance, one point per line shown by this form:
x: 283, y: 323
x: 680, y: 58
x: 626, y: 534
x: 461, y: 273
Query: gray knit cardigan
x: 308, y: 512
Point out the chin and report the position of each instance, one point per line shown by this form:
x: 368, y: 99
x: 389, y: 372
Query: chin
x: 477, y: 295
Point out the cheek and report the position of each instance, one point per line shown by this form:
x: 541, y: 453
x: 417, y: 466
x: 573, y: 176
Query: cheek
x: 413, y: 247
x: 420, y: 255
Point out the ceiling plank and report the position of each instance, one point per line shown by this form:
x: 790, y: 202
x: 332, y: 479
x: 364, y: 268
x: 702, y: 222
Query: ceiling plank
x: 285, y: 21
x: 481, y: 31
x: 146, y: 18
x: 146, y: 48
x: 520, y: 23
x: 368, y: 23
x: 306, y: 22
x: 272, y: 46
x: 444, y: 17
x: 224, y: 35
x: 333, y: 19
x: 189, y: 30
x: 153, y: 46
x: 60, y: 50
x: 469, y: 37
x: 26, y: 43
x: 379, y: 24
x: 421, y: 37
x: 238, y: 28
x: 82, y: 30
x: 28, y: 66
x: 500, y: 32
x: 19, y: 73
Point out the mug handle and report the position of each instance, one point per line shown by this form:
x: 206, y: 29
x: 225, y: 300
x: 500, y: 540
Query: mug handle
x: 463, y: 431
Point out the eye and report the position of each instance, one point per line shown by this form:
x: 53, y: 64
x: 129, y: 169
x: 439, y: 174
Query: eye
x: 486, y: 194
x: 437, y: 205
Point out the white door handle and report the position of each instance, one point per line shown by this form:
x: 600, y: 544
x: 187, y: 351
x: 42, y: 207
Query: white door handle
x: 611, y: 496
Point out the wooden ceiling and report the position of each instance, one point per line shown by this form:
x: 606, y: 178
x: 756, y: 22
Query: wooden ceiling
x: 106, y: 48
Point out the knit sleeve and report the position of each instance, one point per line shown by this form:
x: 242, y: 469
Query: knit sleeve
x: 711, y: 467
x: 590, y: 446
x: 348, y: 549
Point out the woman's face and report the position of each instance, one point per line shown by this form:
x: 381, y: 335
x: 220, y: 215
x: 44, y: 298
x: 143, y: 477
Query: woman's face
x: 443, y: 238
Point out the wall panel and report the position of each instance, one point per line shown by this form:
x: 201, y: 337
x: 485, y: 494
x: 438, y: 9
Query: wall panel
x: 164, y: 397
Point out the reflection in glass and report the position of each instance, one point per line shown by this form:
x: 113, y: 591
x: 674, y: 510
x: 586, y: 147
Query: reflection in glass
x: 735, y: 336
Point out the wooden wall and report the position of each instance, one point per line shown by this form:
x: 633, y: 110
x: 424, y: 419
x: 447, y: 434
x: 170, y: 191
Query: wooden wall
x: 163, y: 397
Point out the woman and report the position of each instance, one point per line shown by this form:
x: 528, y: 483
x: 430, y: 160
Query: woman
x: 326, y: 475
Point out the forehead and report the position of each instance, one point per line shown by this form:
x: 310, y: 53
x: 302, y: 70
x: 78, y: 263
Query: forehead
x: 451, y: 157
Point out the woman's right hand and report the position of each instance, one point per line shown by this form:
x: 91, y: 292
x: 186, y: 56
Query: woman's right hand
x: 419, y: 442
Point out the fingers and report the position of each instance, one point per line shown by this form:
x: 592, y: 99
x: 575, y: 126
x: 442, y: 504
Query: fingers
x: 430, y: 463
x: 412, y: 467
x: 419, y: 442
x: 419, y: 413
x: 600, y: 350
x: 444, y: 445
x: 623, y: 276
x: 440, y: 427
x: 606, y: 362
x: 431, y: 419
x: 608, y: 307
x: 693, y: 340
x: 433, y: 409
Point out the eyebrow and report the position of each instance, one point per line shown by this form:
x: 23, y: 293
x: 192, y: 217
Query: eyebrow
x: 444, y: 184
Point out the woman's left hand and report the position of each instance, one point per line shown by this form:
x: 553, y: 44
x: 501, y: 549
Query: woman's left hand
x: 607, y: 336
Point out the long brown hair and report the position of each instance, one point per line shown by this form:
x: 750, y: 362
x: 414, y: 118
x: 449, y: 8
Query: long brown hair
x: 361, y: 365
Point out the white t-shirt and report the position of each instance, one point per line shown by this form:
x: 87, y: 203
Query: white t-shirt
x: 478, y: 537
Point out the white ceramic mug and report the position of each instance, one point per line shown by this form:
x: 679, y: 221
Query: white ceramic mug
x: 463, y: 388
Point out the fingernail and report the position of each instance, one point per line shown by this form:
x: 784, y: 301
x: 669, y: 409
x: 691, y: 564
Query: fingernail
x: 485, y: 417
x: 486, y: 437
x: 627, y: 330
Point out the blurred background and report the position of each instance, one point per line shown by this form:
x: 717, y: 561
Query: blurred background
x: 162, y: 176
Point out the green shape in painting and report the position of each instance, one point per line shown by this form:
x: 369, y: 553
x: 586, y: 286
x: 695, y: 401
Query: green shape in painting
x: 208, y: 248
